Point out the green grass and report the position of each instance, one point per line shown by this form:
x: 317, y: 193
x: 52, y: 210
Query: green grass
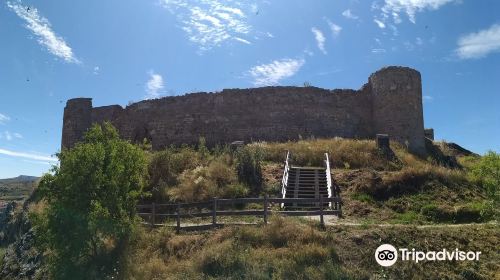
x: 409, y: 217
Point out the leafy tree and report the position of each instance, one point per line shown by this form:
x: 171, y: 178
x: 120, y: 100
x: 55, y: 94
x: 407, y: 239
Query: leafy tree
x: 91, y: 202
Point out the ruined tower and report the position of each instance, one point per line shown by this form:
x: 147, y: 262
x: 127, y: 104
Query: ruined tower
x: 397, y: 106
x: 77, y: 119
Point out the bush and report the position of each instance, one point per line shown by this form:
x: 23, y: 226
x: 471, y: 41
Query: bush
x: 486, y: 171
x: 248, y: 166
x: 218, y: 179
x: 91, y: 203
x: 435, y: 213
x: 469, y: 213
x: 165, y: 166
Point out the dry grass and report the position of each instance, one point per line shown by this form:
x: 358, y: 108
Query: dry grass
x: 289, y: 249
x: 282, y: 250
x: 343, y: 153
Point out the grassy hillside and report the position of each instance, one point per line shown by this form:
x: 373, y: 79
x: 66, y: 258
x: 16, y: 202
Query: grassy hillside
x: 17, y: 188
x: 424, y: 203
x: 374, y: 187
x: 295, y: 249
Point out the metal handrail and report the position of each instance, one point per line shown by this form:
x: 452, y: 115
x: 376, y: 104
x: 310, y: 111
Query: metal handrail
x: 284, y: 181
x: 328, y: 178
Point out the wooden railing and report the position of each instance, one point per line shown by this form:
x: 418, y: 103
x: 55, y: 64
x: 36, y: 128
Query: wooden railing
x: 328, y: 177
x: 284, y: 181
x: 154, y: 214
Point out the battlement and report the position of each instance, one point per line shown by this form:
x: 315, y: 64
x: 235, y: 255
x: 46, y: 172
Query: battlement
x: 390, y: 103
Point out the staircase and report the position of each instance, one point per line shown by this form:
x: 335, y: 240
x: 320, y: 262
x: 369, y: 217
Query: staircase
x: 308, y: 182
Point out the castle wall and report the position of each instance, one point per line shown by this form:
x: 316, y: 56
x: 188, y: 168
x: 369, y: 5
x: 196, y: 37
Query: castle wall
x: 268, y: 113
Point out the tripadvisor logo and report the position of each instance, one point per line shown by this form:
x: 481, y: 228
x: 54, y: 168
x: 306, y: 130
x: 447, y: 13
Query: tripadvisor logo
x: 387, y: 255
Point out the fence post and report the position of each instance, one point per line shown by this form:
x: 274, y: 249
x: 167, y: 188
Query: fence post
x: 153, y: 214
x: 340, y: 208
x: 214, y: 213
x: 321, y: 219
x: 265, y: 208
x: 178, y: 218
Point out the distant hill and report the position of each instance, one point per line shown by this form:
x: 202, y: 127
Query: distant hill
x: 17, y: 188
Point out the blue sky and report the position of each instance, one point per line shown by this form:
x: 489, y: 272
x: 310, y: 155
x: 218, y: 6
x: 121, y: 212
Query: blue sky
x: 122, y: 51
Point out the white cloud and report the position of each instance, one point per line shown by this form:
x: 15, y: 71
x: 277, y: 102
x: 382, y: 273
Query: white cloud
x: 320, y: 39
x: 410, y: 7
x: 274, y: 72
x: 41, y: 28
x: 348, y: 14
x: 380, y: 23
x: 209, y: 23
x: 96, y: 71
x: 428, y: 98
x: 4, y: 118
x: 378, y: 50
x: 154, y: 85
x: 419, y: 41
x: 9, y: 136
x: 479, y: 44
x: 27, y: 155
x: 335, y: 28
x: 242, y: 40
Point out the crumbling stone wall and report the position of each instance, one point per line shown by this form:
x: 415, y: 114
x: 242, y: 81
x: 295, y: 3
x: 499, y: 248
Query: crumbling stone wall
x: 390, y: 103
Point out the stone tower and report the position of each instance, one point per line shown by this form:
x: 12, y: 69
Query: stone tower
x: 397, y: 106
x: 77, y: 120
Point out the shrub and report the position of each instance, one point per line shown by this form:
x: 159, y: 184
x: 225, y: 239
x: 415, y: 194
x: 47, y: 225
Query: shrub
x: 91, y: 202
x: 218, y: 179
x: 487, y: 172
x: 165, y: 166
x: 435, y: 213
x: 248, y: 166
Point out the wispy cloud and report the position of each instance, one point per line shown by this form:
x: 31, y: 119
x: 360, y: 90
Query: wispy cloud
x: 97, y: 70
x: 379, y: 50
x: 395, y: 7
x: 154, y: 85
x: 334, y: 28
x: 28, y: 155
x: 428, y: 98
x: 320, y: 39
x: 348, y: 14
x: 208, y: 23
x: 274, y: 72
x: 242, y: 40
x: 380, y: 23
x: 479, y: 44
x: 42, y: 29
x: 4, y: 118
x: 7, y: 135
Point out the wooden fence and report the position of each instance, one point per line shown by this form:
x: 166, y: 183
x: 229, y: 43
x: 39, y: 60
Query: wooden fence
x: 153, y: 212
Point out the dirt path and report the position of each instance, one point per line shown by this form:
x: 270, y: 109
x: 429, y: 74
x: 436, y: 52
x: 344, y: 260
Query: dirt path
x: 334, y: 220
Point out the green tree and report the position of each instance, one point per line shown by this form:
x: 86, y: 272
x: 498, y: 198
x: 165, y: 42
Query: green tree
x: 91, y: 202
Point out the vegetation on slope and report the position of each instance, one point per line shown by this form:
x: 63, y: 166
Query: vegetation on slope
x: 294, y: 249
x: 93, y: 197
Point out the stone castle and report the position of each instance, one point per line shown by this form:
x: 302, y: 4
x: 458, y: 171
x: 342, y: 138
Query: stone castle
x: 390, y: 103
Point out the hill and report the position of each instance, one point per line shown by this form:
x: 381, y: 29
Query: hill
x: 400, y: 199
x: 18, y: 188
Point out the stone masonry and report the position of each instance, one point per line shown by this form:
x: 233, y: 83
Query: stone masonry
x: 390, y: 103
